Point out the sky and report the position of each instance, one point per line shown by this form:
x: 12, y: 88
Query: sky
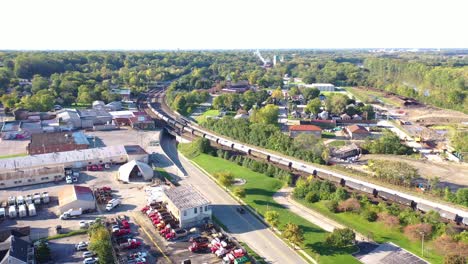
x: 231, y: 24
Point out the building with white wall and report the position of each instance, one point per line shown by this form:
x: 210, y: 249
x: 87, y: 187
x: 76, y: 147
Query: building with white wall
x: 188, y: 205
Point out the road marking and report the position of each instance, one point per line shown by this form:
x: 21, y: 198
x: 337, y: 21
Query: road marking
x: 152, y: 240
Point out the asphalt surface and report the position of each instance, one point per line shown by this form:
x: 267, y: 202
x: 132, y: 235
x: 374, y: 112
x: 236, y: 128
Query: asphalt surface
x: 245, y: 227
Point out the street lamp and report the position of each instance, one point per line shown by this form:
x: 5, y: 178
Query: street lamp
x: 422, y: 243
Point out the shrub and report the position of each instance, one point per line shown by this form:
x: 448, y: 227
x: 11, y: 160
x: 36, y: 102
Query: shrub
x: 341, y: 238
x: 225, y: 178
x: 369, y: 215
x: 239, y: 192
x: 42, y: 252
x: 332, y: 206
x: 312, y: 197
x: 349, y: 205
x: 417, y: 231
x: 388, y: 219
x: 447, y: 245
x: 272, y: 218
x: 454, y: 259
x: 340, y: 194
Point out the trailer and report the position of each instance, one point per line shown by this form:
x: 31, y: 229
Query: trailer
x: 448, y: 215
x: 426, y: 208
x: 19, y: 200
x: 22, y: 212
x: 32, y: 210
x: 29, y: 199
x: 11, y: 200
x: 37, y: 198
x: 45, y: 197
x: 2, y: 214
x: 12, y: 211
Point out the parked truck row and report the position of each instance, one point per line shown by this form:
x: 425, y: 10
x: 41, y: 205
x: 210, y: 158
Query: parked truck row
x: 22, y: 206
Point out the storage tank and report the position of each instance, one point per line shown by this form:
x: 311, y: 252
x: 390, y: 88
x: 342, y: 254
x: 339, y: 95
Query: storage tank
x: 12, y: 211
x: 32, y: 210
x: 22, y: 211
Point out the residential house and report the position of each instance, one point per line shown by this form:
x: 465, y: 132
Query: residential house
x: 357, y: 132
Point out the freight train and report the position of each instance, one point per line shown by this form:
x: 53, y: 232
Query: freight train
x: 446, y: 212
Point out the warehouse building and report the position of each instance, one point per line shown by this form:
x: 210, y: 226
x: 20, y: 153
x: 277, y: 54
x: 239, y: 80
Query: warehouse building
x: 134, y: 170
x: 135, y: 152
x: 57, y: 142
x: 75, y: 197
x: 188, y: 205
x: 22, y: 177
x: 86, y: 118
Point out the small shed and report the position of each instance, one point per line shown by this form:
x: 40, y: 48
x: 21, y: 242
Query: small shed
x: 135, y: 169
x: 74, y: 197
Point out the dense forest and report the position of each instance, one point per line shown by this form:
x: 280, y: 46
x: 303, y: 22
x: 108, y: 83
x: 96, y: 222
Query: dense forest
x: 81, y: 77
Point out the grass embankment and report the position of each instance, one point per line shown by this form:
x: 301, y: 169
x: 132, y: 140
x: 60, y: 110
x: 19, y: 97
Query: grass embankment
x: 69, y: 234
x: 259, y: 191
x: 209, y: 113
x: 337, y: 143
x: 370, y: 96
x: 378, y: 231
x: 165, y: 175
x: 13, y: 156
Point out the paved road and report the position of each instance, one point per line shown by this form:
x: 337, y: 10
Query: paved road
x: 244, y: 227
x: 283, y: 197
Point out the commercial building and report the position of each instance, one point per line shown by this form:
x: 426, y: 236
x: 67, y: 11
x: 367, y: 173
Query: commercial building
x: 29, y: 176
x: 68, y: 159
x: 188, y: 205
x: 17, y: 250
x: 135, y: 170
x: 296, y: 130
x: 357, y: 132
x: 87, y: 118
x: 74, y: 197
x: 135, y: 152
x: 57, y: 142
x: 138, y: 120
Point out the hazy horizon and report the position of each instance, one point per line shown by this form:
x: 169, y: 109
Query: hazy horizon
x: 56, y: 25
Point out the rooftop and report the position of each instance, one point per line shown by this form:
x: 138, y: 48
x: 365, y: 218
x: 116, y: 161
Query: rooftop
x: 323, y: 84
x: 357, y: 129
x: 186, y: 197
x: 134, y: 150
x: 58, y: 138
x: 304, y: 128
x: 61, y: 157
x: 70, y: 193
x: 31, y: 172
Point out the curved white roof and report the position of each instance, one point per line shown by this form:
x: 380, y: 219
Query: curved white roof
x: 126, y: 169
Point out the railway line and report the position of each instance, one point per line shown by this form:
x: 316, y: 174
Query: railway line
x: 161, y: 111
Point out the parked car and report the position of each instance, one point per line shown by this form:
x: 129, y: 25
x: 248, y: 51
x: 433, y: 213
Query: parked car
x: 84, y: 224
x: 81, y: 246
x: 88, y: 254
x: 90, y: 260
x: 115, y: 228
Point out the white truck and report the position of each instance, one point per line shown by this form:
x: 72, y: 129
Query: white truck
x: 12, y: 211
x: 45, y: 197
x: 112, y: 204
x: 19, y: 200
x: 32, y: 210
x: 37, y: 198
x: 29, y: 199
x: 22, y: 211
x: 71, y: 213
x: 2, y: 214
x: 11, y: 200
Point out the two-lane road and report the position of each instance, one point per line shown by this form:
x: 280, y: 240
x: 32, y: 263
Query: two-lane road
x: 244, y: 227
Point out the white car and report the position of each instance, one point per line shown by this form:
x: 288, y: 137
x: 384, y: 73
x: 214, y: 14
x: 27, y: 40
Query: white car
x: 88, y: 254
x: 81, y: 246
x: 115, y: 228
x: 84, y: 224
x: 90, y: 260
x: 68, y: 179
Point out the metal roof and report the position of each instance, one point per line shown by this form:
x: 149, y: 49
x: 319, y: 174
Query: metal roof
x: 61, y: 157
x: 33, y: 172
x: 186, y: 197
x: 71, y: 193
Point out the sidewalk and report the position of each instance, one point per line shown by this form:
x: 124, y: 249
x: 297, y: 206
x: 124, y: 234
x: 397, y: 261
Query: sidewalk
x: 283, y: 197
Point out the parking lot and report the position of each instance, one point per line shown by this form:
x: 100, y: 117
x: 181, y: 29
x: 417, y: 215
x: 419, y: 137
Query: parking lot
x: 63, y: 249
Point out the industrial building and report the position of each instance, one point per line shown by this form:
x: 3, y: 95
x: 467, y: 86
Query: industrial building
x: 75, y: 197
x: 57, y: 142
x: 139, y: 120
x: 135, y: 170
x: 188, y: 205
x: 29, y: 176
x: 135, y: 152
x: 86, y: 118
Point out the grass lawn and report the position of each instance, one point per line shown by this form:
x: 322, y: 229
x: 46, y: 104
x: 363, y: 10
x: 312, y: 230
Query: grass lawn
x: 378, y: 231
x: 365, y: 96
x: 211, y: 113
x: 259, y: 191
x: 13, y: 156
x: 328, y: 135
x: 337, y: 143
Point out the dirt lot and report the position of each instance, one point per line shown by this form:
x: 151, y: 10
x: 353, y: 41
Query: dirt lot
x: 451, y: 174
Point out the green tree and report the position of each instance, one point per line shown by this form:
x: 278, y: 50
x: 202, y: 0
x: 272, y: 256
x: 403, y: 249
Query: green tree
x: 336, y: 103
x: 225, y: 179
x: 266, y: 115
x: 277, y: 94
x: 310, y: 93
x: 9, y: 100
x: 239, y: 192
x: 293, y: 233
x: 462, y: 196
x: 313, y: 106
x: 100, y: 243
x: 341, y: 238
x: 180, y: 104
x: 42, y: 252
x: 39, y: 83
x: 272, y: 218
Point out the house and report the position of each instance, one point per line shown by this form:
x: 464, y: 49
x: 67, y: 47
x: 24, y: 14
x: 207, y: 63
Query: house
x: 56, y: 142
x: 345, y: 117
x: 125, y: 93
x: 188, y: 205
x: 243, y: 116
x: 357, y: 117
x: 357, y: 132
x: 74, y: 197
x: 346, y: 151
x: 296, y: 130
x: 17, y: 250
x: 323, y: 115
